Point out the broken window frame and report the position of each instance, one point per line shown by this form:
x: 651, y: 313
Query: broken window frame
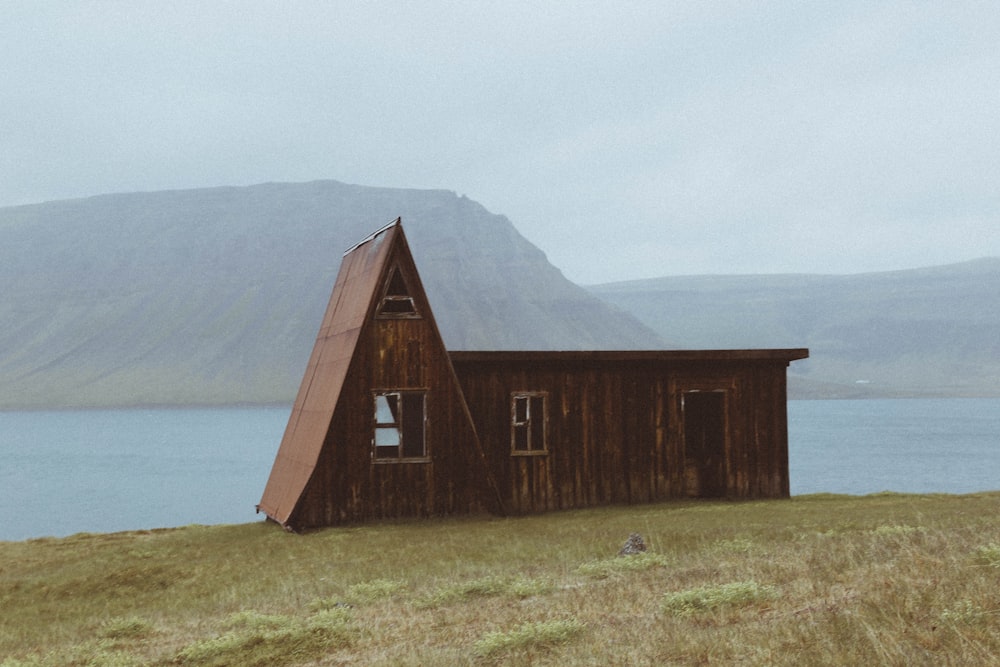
x: 529, y: 423
x: 397, y: 302
x: 399, y: 426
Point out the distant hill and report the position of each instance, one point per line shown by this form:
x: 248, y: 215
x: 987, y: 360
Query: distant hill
x: 923, y: 332
x: 214, y: 296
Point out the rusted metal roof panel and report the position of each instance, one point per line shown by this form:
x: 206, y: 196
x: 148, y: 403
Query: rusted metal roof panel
x: 349, y: 308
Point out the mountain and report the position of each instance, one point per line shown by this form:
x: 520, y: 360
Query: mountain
x: 214, y: 296
x: 923, y: 332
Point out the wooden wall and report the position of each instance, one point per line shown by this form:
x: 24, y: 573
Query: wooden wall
x: 616, y: 430
x: 347, y: 486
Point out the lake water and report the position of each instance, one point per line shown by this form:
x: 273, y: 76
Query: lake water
x: 66, y: 472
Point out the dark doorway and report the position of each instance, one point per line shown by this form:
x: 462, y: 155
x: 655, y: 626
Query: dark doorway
x: 704, y: 443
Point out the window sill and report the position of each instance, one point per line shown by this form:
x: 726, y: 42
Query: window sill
x: 423, y: 459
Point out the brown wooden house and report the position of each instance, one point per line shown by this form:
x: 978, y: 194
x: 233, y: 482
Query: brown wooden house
x: 387, y: 423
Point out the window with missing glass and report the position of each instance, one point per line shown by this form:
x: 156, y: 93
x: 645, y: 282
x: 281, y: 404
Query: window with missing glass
x: 397, y: 301
x: 399, y: 426
x: 528, y: 423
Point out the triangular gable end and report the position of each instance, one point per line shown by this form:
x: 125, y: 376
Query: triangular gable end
x: 377, y: 281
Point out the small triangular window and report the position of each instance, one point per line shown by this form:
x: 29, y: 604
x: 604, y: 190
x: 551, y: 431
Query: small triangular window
x: 397, y: 301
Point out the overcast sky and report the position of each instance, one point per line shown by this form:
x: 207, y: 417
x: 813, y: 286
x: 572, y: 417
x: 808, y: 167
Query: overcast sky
x: 625, y: 139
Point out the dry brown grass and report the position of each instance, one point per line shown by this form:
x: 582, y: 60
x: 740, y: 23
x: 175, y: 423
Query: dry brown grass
x: 819, y: 580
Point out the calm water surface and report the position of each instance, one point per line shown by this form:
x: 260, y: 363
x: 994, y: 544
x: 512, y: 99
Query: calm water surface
x: 904, y: 445
x: 108, y: 470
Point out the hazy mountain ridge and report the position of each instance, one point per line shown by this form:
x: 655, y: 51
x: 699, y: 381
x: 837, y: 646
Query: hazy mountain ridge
x: 928, y: 331
x: 214, y: 296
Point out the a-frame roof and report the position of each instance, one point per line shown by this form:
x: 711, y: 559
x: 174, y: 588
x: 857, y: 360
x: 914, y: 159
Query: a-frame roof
x: 354, y: 297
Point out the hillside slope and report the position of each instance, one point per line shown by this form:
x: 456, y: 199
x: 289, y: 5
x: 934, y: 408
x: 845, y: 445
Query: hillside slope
x: 931, y: 331
x: 214, y: 296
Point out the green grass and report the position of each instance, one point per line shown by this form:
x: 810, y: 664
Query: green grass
x: 485, y: 587
x: 714, y: 596
x: 251, y: 639
x: 989, y: 554
x: 878, y: 580
x: 527, y: 636
x: 620, y: 566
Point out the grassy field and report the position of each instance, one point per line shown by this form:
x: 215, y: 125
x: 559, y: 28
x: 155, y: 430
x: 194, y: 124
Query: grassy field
x: 817, y: 580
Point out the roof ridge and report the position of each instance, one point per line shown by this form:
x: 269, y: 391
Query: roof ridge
x: 370, y: 237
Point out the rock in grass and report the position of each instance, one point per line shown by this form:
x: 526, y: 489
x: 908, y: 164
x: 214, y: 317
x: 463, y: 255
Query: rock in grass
x: 633, y: 545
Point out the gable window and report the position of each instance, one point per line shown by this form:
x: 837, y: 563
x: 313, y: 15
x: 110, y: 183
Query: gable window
x: 397, y: 302
x: 399, y: 426
x: 527, y: 430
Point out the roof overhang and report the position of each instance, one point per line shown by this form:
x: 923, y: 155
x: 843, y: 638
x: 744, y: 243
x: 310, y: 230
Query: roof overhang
x: 680, y: 356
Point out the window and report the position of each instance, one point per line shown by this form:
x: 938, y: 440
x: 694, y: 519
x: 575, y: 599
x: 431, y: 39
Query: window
x: 397, y: 302
x: 527, y: 434
x: 399, y: 426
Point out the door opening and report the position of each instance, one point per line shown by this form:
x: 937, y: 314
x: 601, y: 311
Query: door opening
x: 704, y: 443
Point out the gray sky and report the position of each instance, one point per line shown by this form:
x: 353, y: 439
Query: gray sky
x: 626, y: 139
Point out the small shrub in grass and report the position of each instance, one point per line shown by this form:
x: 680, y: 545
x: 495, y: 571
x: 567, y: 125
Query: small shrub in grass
x: 103, y: 657
x: 706, y: 598
x: 896, y: 530
x: 376, y: 589
x: 34, y: 661
x: 254, y: 620
x: 964, y: 613
x: 608, y: 567
x: 91, y: 654
x: 112, y: 646
x: 519, y: 588
x: 989, y: 555
x: 544, y: 633
x: 739, y: 545
x: 325, y: 604
x: 131, y: 627
x: 217, y: 650
x: 526, y: 588
x: 261, y: 640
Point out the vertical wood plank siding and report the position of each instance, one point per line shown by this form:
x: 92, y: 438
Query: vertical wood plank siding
x: 615, y: 428
x: 347, y: 484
